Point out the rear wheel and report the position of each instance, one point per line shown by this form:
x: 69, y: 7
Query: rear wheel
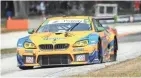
x: 100, y: 57
x: 114, y: 56
x: 25, y: 67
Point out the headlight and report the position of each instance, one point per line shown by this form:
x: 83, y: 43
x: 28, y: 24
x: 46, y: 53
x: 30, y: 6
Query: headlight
x: 29, y: 45
x: 81, y: 43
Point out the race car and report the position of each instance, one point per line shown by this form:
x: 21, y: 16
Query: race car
x: 67, y: 40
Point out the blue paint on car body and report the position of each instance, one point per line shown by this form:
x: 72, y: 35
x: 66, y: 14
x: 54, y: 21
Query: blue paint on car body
x: 92, y: 38
x: 93, y: 57
x: 20, y: 60
x: 112, y: 43
x: 20, y: 43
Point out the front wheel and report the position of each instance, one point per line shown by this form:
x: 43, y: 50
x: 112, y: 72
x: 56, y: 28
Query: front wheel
x: 25, y: 67
x: 100, y: 57
x: 114, y: 56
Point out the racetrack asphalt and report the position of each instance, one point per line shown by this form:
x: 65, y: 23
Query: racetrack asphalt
x: 129, y: 48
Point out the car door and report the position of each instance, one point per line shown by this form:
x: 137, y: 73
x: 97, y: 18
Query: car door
x: 103, y: 34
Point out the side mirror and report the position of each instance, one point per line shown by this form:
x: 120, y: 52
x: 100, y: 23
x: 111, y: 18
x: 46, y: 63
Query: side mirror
x: 30, y: 31
x: 100, y: 29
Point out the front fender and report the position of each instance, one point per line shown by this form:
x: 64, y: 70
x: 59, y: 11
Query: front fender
x: 20, y: 43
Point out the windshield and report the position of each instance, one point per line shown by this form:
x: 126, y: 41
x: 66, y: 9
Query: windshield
x: 64, y: 26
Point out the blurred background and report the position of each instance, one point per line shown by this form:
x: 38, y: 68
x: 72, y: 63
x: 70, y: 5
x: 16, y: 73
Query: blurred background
x: 24, y: 9
x: 19, y: 16
x: 37, y: 11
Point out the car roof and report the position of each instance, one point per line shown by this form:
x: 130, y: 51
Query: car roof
x: 69, y: 17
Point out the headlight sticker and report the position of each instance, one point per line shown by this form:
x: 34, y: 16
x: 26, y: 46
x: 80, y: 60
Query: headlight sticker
x: 93, y: 42
x: 29, y: 45
x: 80, y: 57
x: 81, y: 43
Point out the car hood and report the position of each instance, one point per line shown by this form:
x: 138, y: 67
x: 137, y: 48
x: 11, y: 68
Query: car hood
x: 57, y: 38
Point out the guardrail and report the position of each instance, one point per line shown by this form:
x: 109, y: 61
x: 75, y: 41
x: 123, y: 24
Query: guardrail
x: 122, y: 19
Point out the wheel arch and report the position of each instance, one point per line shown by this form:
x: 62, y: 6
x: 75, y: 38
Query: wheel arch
x: 116, y: 40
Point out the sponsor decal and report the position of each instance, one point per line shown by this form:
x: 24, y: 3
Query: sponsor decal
x: 20, y: 45
x: 96, y: 59
x: 45, y: 38
x: 80, y: 57
x: 87, y: 21
x: 29, y: 60
x: 69, y: 21
x: 93, y: 42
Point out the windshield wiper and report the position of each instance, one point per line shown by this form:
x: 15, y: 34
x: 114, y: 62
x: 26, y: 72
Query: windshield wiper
x: 67, y: 33
x: 71, y: 28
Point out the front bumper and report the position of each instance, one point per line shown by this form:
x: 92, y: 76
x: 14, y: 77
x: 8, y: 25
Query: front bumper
x: 45, y: 58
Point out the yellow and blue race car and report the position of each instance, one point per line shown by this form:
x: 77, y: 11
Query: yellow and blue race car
x: 67, y: 40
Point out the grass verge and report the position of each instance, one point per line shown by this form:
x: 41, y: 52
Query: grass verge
x: 8, y: 51
x: 3, y: 23
x: 130, y: 68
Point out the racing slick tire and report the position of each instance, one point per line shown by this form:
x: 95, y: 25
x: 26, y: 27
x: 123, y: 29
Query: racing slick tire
x: 25, y: 67
x: 113, y: 57
x: 100, y: 56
